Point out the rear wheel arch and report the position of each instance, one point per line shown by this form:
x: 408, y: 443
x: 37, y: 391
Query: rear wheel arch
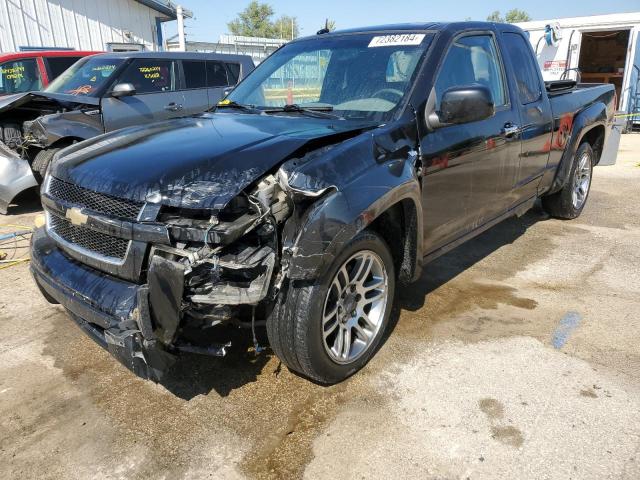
x: 590, y: 122
x: 595, y: 137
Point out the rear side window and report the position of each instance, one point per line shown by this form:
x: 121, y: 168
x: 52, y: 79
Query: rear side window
x: 19, y: 76
x: 57, y: 65
x: 195, y: 73
x: 526, y: 72
x: 234, y: 72
x: 150, y: 76
x: 216, y: 74
x: 473, y: 60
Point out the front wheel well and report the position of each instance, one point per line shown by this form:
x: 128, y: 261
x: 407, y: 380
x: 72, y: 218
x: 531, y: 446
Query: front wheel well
x: 398, y: 227
x: 595, y: 138
x: 65, y: 142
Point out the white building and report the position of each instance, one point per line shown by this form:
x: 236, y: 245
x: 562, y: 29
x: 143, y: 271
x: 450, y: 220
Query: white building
x: 594, y: 49
x: 112, y: 25
x: 257, y: 47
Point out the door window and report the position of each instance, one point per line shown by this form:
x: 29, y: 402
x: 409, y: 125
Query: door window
x: 526, y: 72
x: 57, y: 65
x: 216, y: 75
x: 472, y: 60
x: 234, y: 72
x: 19, y: 76
x: 150, y: 76
x: 195, y: 74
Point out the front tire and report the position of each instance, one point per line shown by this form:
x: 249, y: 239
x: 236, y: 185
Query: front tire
x: 330, y: 330
x: 42, y: 161
x: 569, y: 202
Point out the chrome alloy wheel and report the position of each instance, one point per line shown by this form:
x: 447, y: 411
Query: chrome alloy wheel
x: 355, y: 306
x: 581, y: 181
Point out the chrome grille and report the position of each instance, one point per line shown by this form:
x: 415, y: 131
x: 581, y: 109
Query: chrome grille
x: 95, y: 242
x: 98, y: 202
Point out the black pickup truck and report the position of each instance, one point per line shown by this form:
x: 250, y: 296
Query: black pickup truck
x: 326, y: 178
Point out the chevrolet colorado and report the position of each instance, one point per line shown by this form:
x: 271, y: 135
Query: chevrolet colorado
x: 327, y: 177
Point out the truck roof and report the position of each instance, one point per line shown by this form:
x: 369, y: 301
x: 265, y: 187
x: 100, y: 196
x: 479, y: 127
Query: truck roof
x: 433, y: 26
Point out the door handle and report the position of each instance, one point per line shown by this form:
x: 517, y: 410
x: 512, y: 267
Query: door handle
x: 173, y: 107
x: 510, y: 130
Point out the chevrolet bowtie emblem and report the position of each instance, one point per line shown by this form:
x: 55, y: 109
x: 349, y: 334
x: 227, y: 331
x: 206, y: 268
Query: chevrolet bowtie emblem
x: 76, y: 216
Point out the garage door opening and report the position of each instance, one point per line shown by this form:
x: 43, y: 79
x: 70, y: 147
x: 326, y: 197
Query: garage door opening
x: 603, y: 57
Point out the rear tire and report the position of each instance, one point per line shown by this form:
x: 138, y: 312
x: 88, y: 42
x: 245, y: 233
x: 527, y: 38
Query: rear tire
x: 569, y: 202
x: 355, y: 296
x: 42, y: 161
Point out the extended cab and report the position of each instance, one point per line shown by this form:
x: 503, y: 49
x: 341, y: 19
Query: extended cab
x: 101, y: 94
x: 333, y: 172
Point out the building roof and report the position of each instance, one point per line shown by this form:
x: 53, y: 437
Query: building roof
x: 166, y: 7
x: 614, y: 19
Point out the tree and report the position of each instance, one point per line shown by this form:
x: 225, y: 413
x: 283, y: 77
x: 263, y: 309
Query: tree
x: 512, y: 16
x: 495, y: 17
x: 254, y: 21
x: 516, y: 15
x: 330, y: 25
x: 286, y: 27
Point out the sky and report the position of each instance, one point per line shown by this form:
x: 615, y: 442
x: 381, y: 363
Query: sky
x: 212, y: 16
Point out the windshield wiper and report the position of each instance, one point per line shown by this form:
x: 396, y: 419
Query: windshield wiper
x: 239, y: 106
x: 318, y: 111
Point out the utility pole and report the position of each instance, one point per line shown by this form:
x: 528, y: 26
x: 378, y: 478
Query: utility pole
x: 182, y: 46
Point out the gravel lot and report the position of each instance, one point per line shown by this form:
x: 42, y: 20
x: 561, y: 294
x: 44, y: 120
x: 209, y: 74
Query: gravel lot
x: 515, y: 356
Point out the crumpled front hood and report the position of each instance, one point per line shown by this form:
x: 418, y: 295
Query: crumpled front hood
x: 196, y: 162
x: 18, y: 99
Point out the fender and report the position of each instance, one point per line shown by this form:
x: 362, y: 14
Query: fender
x: 586, y: 120
x: 387, y: 177
x: 77, y: 124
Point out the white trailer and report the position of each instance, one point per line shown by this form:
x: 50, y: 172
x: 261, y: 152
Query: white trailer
x: 594, y: 49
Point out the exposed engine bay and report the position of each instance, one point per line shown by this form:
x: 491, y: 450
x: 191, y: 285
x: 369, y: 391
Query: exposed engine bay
x: 220, y: 265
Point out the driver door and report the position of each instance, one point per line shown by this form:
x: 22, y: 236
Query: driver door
x: 156, y: 97
x: 469, y: 168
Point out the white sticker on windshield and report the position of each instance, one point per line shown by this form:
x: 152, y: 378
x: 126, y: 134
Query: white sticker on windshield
x: 400, y: 39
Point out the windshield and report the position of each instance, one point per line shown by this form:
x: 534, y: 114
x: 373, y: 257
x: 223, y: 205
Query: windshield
x: 86, y: 77
x: 361, y: 76
x: 19, y: 76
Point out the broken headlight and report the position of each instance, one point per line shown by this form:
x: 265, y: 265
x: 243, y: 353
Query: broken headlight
x: 228, y: 257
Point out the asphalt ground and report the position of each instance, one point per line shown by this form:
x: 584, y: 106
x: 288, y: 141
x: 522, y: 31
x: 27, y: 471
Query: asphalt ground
x: 515, y: 356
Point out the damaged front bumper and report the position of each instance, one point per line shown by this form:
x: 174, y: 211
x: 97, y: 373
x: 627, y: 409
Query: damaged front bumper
x: 113, y: 312
x: 15, y: 176
x: 135, y: 323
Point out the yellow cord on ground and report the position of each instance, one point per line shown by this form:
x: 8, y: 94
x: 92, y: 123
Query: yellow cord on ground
x: 12, y: 263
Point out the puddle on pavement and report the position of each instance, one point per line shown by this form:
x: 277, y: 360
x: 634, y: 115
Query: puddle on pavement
x: 508, y: 435
x: 492, y: 408
x: 452, y: 300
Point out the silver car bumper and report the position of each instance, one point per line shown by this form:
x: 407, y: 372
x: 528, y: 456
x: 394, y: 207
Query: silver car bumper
x: 15, y: 176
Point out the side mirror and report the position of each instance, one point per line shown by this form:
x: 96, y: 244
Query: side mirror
x: 463, y: 105
x: 123, y: 90
x: 227, y: 91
